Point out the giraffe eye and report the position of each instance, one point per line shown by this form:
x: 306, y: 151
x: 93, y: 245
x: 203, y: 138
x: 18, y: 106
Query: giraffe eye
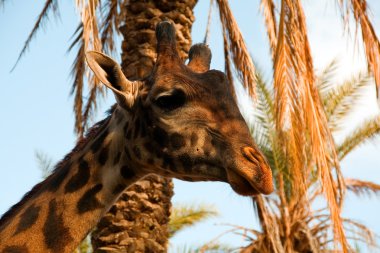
x: 169, y: 102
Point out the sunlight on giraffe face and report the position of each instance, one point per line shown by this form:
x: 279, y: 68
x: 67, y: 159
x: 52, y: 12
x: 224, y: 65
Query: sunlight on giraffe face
x: 184, y: 121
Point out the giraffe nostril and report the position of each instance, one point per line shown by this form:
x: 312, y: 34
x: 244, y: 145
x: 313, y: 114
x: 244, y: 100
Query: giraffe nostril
x: 250, y: 154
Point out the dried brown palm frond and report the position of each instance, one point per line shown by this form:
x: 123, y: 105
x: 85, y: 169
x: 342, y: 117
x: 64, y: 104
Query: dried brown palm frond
x: 108, y: 30
x: 361, y: 232
x: 78, y: 71
x: 309, y: 232
x: 50, y: 5
x: 286, y: 93
x: 237, y: 47
x: 361, y: 187
x: 293, y: 219
x: 303, y: 238
x: 268, y: 225
x: 89, y: 20
x: 109, y: 25
x: 86, y: 38
x: 299, y: 113
x: 359, y: 9
x: 268, y: 8
x: 366, y: 131
x: 357, y: 232
x: 287, y: 107
x: 296, y: 236
x: 227, y: 64
x: 208, y: 27
x: 371, y: 42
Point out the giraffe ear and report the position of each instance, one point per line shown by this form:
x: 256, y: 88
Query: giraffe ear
x: 199, y: 58
x: 109, y: 72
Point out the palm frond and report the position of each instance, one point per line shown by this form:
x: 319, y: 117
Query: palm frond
x: 50, y: 5
x: 325, y: 79
x: 300, y: 112
x: 361, y: 187
x: 264, y: 110
x: 109, y: 25
x: 340, y: 101
x: 227, y: 64
x: 212, y: 247
x: 362, y: 233
x: 45, y: 163
x: 88, y: 11
x: 289, y: 115
x: 183, y: 216
x: 263, y: 129
x: 215, y: 247
x: 371, y: 42
x: 237, y: 47
x: 268, y: 8
x: 78, y: 71
x: 268, y: 224
x: 267, y: 97
x: 365, y: 132
x: 359, y: 9
x: 208, y: 26
x: 86, y: 37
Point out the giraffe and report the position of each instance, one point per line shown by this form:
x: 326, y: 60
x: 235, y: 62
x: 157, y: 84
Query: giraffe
x: 181, y: 121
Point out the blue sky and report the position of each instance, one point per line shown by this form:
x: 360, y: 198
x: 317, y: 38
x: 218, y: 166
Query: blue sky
x: 36, y: 108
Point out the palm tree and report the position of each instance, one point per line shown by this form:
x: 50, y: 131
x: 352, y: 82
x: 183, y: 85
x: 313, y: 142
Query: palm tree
x: 184, y: 216
x: 296, y: 102
x: 291, y: 223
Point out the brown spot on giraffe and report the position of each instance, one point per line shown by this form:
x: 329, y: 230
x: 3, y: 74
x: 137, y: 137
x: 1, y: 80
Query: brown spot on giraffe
x: 15, y: 249
x: 55, y: 232
x: 89, y: 201
x: 103, y: 155
x: 126, y: 172
x: 80, y: 179
x: 177, y: 141
x: 98, y: 142
x: 28, y: 218
x: 181, y: 121
x: 57, y: 178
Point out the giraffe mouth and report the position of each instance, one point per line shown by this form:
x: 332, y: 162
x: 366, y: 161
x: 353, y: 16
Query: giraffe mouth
x: 206, y: 171
x: 211, y: 172
x: 241, y: 185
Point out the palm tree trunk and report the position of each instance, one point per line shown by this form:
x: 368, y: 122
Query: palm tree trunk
x: 138, y: 222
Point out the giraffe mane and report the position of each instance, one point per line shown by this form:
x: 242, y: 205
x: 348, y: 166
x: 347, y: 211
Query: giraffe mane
x: 82, y: 142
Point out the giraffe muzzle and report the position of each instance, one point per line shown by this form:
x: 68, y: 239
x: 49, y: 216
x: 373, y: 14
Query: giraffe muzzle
x: 253, y: 175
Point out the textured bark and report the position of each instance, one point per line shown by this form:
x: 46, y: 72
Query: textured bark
x: 138, y: 222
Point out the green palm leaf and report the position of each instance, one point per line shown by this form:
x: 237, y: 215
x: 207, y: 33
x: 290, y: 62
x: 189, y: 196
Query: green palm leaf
x: 339, y: 102
x: 366, y: 131
x: 184, y: 216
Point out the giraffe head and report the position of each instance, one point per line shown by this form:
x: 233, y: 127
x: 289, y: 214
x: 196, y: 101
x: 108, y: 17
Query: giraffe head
x: 183, y: 121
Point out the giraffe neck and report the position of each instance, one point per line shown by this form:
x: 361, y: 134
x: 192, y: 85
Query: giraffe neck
x: 60, y: 211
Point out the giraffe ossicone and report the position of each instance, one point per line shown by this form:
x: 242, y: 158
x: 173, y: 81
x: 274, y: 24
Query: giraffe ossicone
x: 181, y: 121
